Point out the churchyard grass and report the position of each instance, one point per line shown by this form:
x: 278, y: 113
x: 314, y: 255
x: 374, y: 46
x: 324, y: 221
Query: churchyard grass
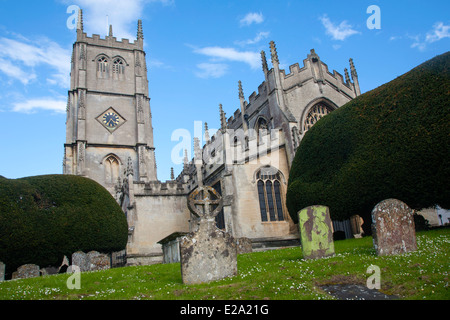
x: 274, y: 274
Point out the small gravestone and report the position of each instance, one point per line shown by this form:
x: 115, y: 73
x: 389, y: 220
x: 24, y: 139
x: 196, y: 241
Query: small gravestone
x: 244, y: 245
x: 98, y: 261
x: 2, y: 271
x: 27, y: 271
x: 81, y: 260
x: 393, y: 228
x: 209, y: 253
x: 316, y: 232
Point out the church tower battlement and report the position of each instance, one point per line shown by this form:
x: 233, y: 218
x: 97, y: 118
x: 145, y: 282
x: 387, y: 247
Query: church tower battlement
x: 108, y: 109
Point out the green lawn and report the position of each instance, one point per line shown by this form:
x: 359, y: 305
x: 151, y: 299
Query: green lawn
x: 275, y: 274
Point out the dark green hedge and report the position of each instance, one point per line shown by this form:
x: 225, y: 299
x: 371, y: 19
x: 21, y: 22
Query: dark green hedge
x: 43, y: 218
x: 391, y: 142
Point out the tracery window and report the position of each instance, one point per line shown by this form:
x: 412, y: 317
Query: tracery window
x: 112, y: 169
x: 102, y: 65
x: 118, y: 66
x: 269, y: 194
x: 317, y: 112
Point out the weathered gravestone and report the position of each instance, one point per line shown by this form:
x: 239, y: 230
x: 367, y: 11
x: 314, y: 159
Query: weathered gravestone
x: 98, y: 261
x: 2, y: 271
x: 27, y: 271
x: 91, y: 261
x: 393, y: 228
x: 80, y: 259
x: 316, y: 232
x: 209, y: 253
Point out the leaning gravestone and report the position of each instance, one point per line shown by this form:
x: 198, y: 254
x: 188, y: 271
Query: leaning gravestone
x: 316, y: 233
x: 393, y: 228
x: 209, y: 253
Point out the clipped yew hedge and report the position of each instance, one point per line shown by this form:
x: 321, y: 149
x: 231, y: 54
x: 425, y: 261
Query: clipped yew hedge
x: 391, y: 142
x: 43, y: 218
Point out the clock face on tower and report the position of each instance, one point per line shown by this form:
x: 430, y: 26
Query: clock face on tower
x: 111, y: 119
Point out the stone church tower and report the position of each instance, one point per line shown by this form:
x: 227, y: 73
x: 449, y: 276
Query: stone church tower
x: 109, y: 122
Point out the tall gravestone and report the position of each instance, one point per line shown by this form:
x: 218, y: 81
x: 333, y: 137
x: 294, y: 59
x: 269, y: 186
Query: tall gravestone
x: 316, y: 232
x: 209, y: 253
x: 393, y: 228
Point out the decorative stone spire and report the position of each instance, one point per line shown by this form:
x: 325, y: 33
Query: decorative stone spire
x: 223, y: 119
x: 172, y: 175
x: 347, y: 77
x: 198, y: 161
x: 274, y: 54
x: 353, y: 69
x: 264, y: 62
x: 207, y: 138
x: 241, y: 92
x: 110, y: 31
x: 140, y: 33
x: 185, y: 160
x: 354, y: 77
x: 80, y: 20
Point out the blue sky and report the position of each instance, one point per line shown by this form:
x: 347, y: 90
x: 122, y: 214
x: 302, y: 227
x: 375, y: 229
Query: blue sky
x: 197, y: 51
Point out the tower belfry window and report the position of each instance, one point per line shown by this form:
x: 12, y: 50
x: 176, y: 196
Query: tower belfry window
x: 102, y: 67
x: 118, y: 66
x: 102, y: 64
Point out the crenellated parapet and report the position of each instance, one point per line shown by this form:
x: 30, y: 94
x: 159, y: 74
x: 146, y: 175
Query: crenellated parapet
x: 109, y: 40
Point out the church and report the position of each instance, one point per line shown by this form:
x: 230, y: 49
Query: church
x: 109, y: 138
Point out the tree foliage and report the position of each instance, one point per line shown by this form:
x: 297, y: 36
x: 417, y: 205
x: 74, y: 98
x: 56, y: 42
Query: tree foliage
x: 391, y: 142
x: 43, y: 218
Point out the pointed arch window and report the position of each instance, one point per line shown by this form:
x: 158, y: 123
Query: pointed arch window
x: 118, y: 66
x: 262, y: 129
x: 112, y: 169
x: 317, y: 112
x: 270, y: 194
x: 102, y: 64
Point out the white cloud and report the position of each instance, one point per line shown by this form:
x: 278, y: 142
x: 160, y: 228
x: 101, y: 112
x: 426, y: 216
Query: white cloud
x: 252, y: 17
x: 32, y: 105
x: 19, y: 58
x: 211, y: 70
x: 337, y: 32
x: 15, y: 72
x: 231, y: 54
x: 259, y: 36
x: 440, y: 31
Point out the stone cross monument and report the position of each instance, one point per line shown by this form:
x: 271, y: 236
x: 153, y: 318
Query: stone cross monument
x: 209, y: 253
